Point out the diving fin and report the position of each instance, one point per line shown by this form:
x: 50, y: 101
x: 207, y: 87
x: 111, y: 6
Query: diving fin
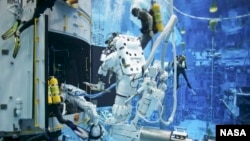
x: 81, y: 133
x: 11, y: 31
x: 16, y: 47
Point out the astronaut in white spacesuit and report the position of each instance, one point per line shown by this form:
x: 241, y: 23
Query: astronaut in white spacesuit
x: 124, y: 58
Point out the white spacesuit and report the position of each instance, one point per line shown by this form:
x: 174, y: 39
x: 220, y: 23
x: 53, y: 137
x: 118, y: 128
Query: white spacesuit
x: 126, y: 62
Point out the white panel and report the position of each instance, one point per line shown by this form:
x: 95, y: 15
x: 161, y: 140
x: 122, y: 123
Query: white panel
x: 81, y: 27
x: 67, y: 20
x: 16, y: 74
x: 85, y: 5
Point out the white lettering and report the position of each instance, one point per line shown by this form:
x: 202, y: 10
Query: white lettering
x: 229, y: 132
x: 234, y: 132
x: 223, y: 132
x: 243, y: 133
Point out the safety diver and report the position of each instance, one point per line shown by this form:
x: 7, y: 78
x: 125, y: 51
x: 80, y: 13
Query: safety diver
x: 181, y: 69
x: 151, y: 22
x: 114, y: 61
x: 146, y: 25
x: 19, y: 26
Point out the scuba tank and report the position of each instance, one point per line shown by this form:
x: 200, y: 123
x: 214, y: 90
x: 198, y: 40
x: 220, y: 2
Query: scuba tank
x: 54, y: 89
x: 157, y: 16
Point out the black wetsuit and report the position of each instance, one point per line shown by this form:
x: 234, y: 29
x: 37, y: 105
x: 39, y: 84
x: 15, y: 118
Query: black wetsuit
x: 145, y: 29
x: 56, y: 110
x: 181, y: 69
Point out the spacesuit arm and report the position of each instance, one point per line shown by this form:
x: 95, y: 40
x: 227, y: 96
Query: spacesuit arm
x: 109, y: 62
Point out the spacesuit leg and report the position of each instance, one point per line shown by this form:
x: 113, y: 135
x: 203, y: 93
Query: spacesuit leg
x: 121, y: 109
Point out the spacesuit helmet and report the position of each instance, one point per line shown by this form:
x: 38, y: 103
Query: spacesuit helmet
x: 111, y: 37
x: 110, y: 42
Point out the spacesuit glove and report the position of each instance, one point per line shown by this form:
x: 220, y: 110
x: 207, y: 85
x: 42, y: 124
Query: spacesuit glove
x: 98, y: 87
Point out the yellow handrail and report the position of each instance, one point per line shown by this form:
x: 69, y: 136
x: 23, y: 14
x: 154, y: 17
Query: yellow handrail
x: 35, y: 80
